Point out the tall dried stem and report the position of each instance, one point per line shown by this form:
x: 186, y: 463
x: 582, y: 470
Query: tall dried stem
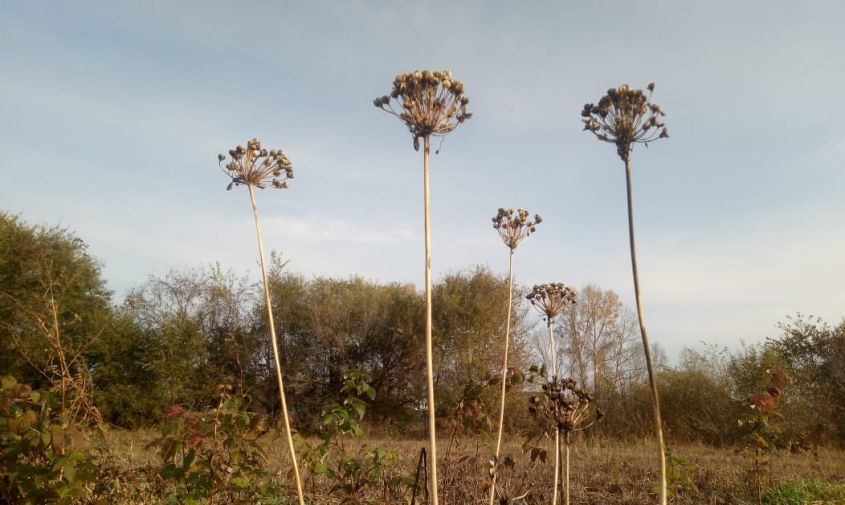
x: 257, y: 167
x: 429, y: 353
x: 652, y: 380
x: 513, y: 228
x: 550, y: 300
x: 504, y: 375
x: 428, y: 103
x: 625, y: 117
x: 275, y: 344
x: 566, y: 470
x: 553, y: 353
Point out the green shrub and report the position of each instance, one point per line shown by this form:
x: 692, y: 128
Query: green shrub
x: 38, y: 461
x: 215, y: 456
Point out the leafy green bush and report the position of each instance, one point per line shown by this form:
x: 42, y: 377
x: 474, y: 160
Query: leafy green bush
x: 351, y: 472
x: 38, y: 461
x: 215, y: 456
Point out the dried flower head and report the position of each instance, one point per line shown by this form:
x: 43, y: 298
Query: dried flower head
x: 562, y: 406
x: 514, y: 228
x: 551, y: 299
x: 625, y: 116
x: 429, y: 103
x: 256, y: 166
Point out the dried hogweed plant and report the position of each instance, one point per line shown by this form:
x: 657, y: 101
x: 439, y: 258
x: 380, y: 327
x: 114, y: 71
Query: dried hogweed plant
x: 257, y: 167
x: 550, y: 300
x: 625, y: 117
x: 429, y: 104
x: 564, y: 408
x: 506, y: 489
x: 513, y: 227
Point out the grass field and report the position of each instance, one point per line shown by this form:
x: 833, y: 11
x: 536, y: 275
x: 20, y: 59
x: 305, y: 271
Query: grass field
x: 603, y: 473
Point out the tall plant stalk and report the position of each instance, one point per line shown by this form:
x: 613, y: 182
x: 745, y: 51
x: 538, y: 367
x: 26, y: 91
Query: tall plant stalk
x: 429, y: 351
x: 566, y: 470
x: 624, y: 117
x: 428, y: 103
x: 655, y: 398
x: 553, y: 352
x: 256, y: 167
x: 273, y: 340
x: 513, y: 229
x: 550, y: 300
x: 504, y: 377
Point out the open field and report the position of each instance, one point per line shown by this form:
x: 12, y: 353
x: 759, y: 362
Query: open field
x: 603, y: 472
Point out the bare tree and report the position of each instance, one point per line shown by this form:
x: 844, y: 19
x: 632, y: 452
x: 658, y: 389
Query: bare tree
x: 598, y: 339
x: 65, y: 366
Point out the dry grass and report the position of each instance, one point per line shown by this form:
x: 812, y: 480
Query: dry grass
x: 603, y: 472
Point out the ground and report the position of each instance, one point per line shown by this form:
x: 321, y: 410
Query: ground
x: 602, y: 472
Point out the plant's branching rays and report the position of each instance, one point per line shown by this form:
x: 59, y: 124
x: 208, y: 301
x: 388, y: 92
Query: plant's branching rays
x: 429, y: 103
x: 256, y: 166
x: 625, y: 117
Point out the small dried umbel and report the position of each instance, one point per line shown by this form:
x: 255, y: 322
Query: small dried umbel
x: 515, y: 227
x: 551, y: 299
x: 625, y: 116
x: 256, y: 166
x: 429, y: 103
x: 562, y: 406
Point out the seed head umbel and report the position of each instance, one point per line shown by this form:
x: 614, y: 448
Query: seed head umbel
x: 430, y: 103
x: 515, y: 226
x: 564, y: 407
x: 625, y: 116
x: 256, y: 166
x: 551, y: 299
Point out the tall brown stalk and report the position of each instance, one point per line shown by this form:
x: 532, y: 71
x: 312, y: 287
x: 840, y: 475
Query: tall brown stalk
x: 256, y: 167
x: 429, y: 104
x: 624, y: 117
x: 513, y: 229
x: 550, y: 300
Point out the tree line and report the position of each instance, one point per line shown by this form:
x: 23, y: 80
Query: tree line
x: 176, y: 337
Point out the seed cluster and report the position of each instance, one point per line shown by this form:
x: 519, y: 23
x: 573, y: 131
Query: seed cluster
x: 429, y: 103
x: 625, y: 116
x: 564, y: 407
x: 256, y: 166
x: 551, y: 299
x: 515, y: 227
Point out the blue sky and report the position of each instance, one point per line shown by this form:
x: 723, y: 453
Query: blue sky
x: 113, y: 114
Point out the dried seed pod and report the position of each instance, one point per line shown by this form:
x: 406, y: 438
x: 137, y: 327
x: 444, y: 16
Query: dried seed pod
x: 625, y: 116
x: 514, y: 228
x: 429, y: 103
x: 551, y: 299
x: 256, y: 166
x: 564, y: 407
